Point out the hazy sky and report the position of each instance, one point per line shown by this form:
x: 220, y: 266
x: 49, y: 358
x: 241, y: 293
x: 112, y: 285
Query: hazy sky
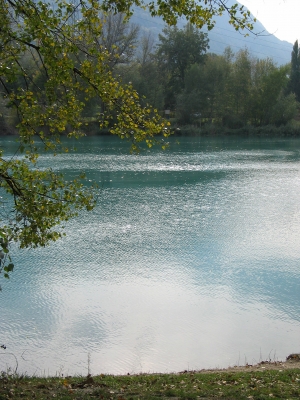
x: 280, y: 17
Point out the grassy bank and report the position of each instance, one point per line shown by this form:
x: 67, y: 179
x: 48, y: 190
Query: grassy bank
x: 261, y: 383
x: 290, y: 130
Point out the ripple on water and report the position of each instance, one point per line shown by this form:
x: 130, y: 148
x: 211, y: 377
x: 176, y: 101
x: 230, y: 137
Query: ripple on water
x: 189, y: 260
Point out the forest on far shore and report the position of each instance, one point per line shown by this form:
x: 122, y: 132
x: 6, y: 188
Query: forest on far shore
x: 198, y: 91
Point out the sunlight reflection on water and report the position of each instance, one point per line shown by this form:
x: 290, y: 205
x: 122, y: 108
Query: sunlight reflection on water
x: 190, y: 260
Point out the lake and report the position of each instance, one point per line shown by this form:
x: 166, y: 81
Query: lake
x: 190, y: 260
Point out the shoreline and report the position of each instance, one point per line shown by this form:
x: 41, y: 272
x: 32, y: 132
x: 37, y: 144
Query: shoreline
x: 192, y: 130
x: 265, y: 380
x: 261, y: 366
x: 289, y: 363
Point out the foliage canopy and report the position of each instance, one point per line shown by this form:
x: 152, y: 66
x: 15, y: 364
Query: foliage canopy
x: 294, y: 81
x: 199, y: 13
x: 177, y: 50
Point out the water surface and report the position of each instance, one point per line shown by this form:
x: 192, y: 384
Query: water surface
x: 190, y: 260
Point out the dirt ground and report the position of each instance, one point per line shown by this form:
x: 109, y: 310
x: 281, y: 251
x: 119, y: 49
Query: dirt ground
x: 292, y: 361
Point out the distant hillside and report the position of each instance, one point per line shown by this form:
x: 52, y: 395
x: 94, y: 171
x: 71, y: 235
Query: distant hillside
x: 260, y: 44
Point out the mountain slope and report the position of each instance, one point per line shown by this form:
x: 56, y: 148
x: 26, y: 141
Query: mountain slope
x: 260, y: 43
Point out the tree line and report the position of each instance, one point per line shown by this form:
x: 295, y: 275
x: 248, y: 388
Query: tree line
x: 180, y: 78
x: 232, y: 90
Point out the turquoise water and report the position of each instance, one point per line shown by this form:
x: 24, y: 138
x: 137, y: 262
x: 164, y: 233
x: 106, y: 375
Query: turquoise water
x: 190, y: 260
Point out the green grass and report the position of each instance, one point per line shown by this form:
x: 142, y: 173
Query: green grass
x: 257, y: 385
